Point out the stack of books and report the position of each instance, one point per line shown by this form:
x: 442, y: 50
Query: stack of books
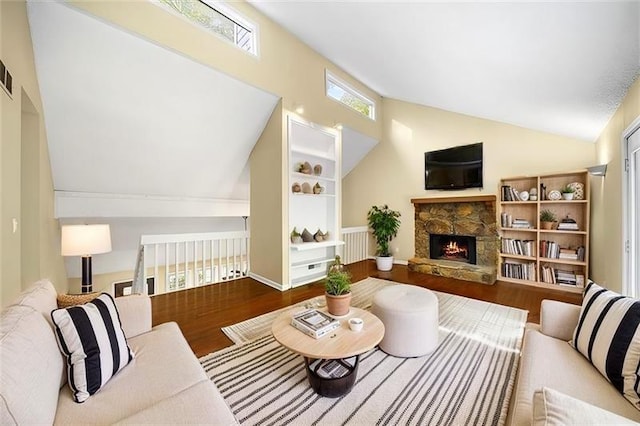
x: 314, y: 323
x: 572, y: 254
x: 509, y: 193
x: 521, y: 223
x: 558, y: 276
x: 568, y: 224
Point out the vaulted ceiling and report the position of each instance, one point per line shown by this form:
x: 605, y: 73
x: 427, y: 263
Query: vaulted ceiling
x: 560, y: 67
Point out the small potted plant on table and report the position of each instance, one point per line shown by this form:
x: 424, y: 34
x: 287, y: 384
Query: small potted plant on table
x: 385, y: 224
x: 547, y: 219
x: 338, y: 289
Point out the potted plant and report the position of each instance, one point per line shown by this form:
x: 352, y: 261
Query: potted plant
x: 547, y: 219
x: 567, y: 192
x: 385, y: 224
x: 337, y: 287
x: 296, y: 238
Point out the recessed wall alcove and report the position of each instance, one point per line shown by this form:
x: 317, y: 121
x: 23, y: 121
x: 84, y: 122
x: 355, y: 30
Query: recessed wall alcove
x: 473, y: 216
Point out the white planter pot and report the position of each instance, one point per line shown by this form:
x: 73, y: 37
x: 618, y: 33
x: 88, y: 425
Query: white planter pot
x: 567, y: 195
x: 384, y: 263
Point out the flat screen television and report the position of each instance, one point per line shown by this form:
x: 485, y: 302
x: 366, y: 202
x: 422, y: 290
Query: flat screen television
x: 454, y: 168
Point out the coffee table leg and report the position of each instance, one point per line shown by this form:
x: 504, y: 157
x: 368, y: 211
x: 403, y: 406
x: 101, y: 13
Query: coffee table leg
x: 320, y: 370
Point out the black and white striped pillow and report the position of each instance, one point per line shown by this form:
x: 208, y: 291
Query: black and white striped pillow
x: 91, y: 338
x: 608, y: 335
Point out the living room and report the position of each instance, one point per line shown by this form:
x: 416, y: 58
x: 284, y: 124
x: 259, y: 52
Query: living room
x: 392, y: 173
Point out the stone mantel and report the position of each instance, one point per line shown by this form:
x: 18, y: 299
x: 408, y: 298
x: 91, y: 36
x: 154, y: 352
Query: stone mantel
x: 467, y: 199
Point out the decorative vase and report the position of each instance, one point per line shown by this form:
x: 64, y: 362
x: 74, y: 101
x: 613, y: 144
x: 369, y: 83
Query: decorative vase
x: 546, y: 225
x: 338, y: 305
x: 384, y: 263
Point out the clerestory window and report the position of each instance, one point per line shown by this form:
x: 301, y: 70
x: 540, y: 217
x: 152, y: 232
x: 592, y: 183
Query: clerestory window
x: 219, y: 19
x: 348, y: 96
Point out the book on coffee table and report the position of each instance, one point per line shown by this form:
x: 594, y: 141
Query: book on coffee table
x: 314, y: 323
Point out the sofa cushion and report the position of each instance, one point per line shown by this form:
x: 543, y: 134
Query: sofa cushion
x: 92, y: 339
x: 41, y: 296
x: 553, y: 408
x: 551, y: 362
x: 164, y: 366
x: 608, y: 335
x: 30, y: 367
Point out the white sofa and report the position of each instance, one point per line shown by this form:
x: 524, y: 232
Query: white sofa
x: 549, y: 361
x: 163, y: 384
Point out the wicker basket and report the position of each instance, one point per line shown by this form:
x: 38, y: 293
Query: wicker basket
x: 66, y: 300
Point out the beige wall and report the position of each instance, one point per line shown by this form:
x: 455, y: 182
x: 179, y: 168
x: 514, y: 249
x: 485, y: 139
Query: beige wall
x: 393, y: 172
x: 607, y: 246
x: 269, y: 249
x: 22, y: 120
x: 286, y: 66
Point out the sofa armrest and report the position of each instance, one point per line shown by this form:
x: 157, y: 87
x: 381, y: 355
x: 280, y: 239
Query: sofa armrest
x: 558, y: 319
x: 135, y: 314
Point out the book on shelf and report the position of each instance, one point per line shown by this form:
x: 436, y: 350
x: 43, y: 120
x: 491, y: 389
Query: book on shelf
x: 519, y: 247
x: 520, y: 271
x: 562, y: 277
x: 568, y: 224
x: 510, y: 194
x: 314, y: 323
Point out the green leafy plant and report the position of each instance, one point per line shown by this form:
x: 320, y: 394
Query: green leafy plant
x: 295, y: 233
x: 338, y: 282
x: 547, y: 216
x: 568, y: 190
x: 385, y: 225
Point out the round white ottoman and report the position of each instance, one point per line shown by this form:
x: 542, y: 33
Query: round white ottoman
x: 410, y: 317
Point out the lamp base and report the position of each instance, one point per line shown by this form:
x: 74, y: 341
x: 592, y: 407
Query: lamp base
x: 87, y: 286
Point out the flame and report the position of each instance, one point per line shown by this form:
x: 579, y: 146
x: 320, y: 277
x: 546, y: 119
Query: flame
x: 453, y: 250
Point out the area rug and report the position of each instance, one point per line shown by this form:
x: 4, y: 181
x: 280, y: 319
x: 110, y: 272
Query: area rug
x: 467, y: 380
x: 245, y: 331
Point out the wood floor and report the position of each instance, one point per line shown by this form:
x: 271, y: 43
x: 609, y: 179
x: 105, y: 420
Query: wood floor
x: 202, y: 311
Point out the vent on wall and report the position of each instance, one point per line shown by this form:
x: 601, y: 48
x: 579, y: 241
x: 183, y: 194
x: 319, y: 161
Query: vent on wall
x: 6, y: 79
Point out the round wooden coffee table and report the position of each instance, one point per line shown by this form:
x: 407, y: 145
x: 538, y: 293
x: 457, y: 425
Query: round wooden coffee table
x: 332, y: 360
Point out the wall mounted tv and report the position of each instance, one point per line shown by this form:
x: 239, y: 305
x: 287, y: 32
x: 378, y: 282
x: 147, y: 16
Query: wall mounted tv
x: 454, y: 168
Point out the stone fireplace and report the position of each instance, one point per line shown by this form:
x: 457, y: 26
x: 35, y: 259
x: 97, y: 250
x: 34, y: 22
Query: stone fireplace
x: 456, y: 237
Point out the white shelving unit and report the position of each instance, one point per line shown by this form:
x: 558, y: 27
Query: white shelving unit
x: 318, y: 145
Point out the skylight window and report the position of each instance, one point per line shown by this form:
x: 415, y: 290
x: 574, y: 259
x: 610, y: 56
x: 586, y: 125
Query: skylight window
x: 219, y: 19
x: 348, y: 96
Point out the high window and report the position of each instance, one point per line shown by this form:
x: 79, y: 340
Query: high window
x: 348, y: 96
x: 219, y: 19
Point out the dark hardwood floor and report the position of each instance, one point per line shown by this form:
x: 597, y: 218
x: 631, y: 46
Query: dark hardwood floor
x: 202, y: 311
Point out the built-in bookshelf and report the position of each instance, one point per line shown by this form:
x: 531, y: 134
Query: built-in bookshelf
x: 314, y: 198
x: 555, y: 258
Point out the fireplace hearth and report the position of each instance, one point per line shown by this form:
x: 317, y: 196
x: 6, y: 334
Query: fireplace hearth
x: 459, y: 248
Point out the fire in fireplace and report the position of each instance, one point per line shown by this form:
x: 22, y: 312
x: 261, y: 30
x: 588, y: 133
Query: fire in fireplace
x: 460, y: 248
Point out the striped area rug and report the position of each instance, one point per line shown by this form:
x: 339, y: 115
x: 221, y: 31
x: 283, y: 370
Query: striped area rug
x: 467, y: 380
x: 362, y: 296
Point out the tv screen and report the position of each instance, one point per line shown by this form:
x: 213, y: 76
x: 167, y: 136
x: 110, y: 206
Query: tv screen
x: 454, y: 168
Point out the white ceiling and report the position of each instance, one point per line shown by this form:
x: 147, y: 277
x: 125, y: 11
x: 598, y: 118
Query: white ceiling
x: 125, y: 116
x: 558, y: 67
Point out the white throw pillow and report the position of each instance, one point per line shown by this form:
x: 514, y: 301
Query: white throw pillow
x: 608, y: 335
x: 553, y: 408
x: 91, y: 338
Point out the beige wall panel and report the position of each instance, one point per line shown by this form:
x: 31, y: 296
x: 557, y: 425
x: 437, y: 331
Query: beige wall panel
x: 268, y: 249
x: 393, y: 172
x: 17, y: 54
x: 607, y: 246
x: 285, y: 66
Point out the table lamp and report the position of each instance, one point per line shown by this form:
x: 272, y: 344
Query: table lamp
x: 85, y: 240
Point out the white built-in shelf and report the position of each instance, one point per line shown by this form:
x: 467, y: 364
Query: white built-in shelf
x: 312, y: 177
x: 304, y: 263
x: 316, y: 245
x: 302, y: 194
x: 308, y: 278
x: 312, y: 153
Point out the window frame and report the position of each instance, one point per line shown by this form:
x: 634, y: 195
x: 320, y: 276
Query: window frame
x: 333, y: 79
x: 229, y: 13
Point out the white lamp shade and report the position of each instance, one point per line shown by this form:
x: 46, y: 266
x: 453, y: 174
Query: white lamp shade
x: 83, y: 240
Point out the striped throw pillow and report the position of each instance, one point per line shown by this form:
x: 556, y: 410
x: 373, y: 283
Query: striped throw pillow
x: 608, y: 335
x: 91, y: 338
